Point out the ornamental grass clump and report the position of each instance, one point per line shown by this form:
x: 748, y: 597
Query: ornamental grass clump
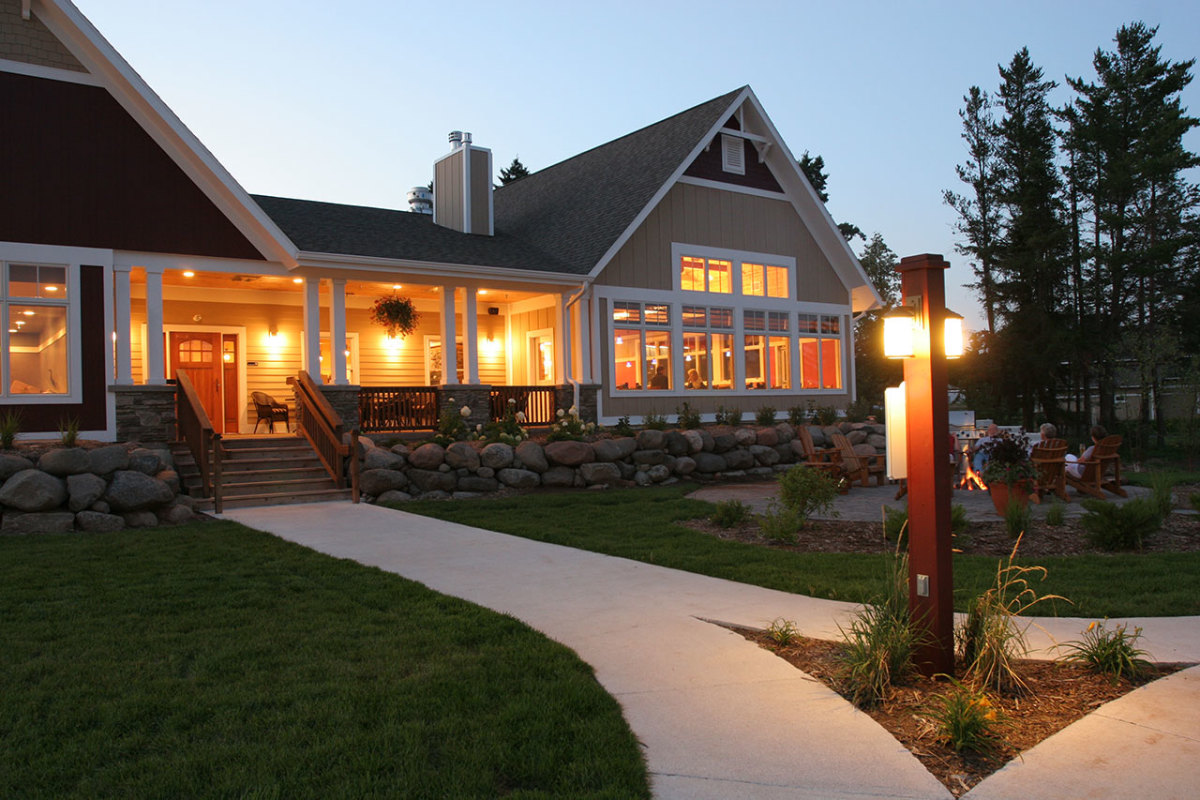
x: 783, y: 631
x: 966, y: 720
x: 990, y: 640
x: 880, y: 642
x: 1120, y: 527
x: 1056, y: 514
x: 10, y: 426
x: 765, y: 417
x: 1113, y: 653
x: 1017, y: 517
x: 688, y: 418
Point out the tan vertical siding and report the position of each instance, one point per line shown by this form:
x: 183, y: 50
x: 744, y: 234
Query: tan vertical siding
x: 713, y: 218
x: 448, y: 191
x: 481, y: 192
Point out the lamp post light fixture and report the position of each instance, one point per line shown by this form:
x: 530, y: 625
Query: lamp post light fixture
x: 927, y: 422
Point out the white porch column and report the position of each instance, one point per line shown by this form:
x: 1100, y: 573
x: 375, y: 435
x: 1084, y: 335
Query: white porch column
x: 337, y: 331
x: 585, y: 336
x: 449, y: 351
x: 123, y: 306
x: 312, y: 329
x: 470, y: 337
x: 562, y: 359
x: 154, y: 327
x: 593, y: 359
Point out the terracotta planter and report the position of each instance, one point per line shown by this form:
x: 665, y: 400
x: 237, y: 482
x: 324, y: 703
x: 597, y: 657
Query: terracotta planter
x: 1002, y: 492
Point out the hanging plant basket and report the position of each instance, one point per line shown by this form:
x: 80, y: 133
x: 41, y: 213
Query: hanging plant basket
x: 397, y: 315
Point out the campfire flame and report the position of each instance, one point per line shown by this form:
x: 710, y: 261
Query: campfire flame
x: 971, y: 480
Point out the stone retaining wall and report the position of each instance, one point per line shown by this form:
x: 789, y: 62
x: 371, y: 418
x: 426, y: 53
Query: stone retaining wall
x: 105, y: 489
x: 466, y: 469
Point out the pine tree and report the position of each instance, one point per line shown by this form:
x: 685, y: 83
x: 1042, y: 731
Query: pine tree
x: 513, y: 172
x: 813, y: 168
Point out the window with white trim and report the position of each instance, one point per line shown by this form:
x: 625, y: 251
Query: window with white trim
x: 641, y: 345
x: 767, y: 349
x: 820, y: 339
x: 34, y: 307
x: 707, y: 348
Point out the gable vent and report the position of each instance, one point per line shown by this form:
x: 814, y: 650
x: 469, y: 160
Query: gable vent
x: 733, y: 154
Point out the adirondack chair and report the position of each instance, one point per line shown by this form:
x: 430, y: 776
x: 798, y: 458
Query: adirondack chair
x: 1049, y: 459
x: 856, y: 466
x: 1102, y: 471
x: 815, y: 456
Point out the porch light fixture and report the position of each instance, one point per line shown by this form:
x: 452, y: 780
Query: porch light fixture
x: 397, y: 286
x: 297, y: 280
x: 903, y: 323
x: 954, y: 334
x: 187, y: 273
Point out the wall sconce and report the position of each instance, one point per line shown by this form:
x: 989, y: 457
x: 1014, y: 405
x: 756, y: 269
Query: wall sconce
x: 900, y: 327
x: 273, y: 338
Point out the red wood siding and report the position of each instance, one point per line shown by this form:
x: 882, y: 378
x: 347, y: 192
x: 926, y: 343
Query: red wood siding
x: 91, y: 413
x: 708, y: 166
x: 79, y: 171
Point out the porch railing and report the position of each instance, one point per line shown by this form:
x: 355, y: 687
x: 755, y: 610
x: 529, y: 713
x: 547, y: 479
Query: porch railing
x: 397, y: 408
x: 323, y: 428
x: 537, y: 403
x: 194, y: 428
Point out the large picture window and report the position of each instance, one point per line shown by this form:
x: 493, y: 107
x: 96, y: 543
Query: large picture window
x: 707, y: 348
x: 768, y: 350
x: 34, y: 306
x: 641, y: 346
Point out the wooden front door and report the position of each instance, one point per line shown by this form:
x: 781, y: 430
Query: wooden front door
x: 199, y: 354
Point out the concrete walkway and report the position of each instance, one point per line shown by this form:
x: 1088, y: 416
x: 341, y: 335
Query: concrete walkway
x: 720, y: 717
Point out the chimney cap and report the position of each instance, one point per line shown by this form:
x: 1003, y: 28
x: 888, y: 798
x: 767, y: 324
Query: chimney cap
x: 456, y: 138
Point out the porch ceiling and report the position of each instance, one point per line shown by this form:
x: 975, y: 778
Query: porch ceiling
x: 372, y: 289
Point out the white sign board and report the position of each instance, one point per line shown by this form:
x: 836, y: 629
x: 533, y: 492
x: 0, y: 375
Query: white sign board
x: 897, y: 432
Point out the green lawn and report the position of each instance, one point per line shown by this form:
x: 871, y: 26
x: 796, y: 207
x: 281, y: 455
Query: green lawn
x: 639, y: 524
x: 212, y: 660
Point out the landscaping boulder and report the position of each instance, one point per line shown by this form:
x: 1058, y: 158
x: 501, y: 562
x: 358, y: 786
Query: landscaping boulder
x: 685, y: 465
x: 641, y: 478
x: 145, y: 461
x: 83, y: 490
x: 659, y: 473
x: 33, y: 490
x: 378, y: 481
x: 695, y: 442
x: 739, y: 459
x: 600, y: 472
x: 532, y: 456
x: 559, y: 477
x: 65, y: 461
x: 11, y: 464
x: 649, y: 457
x: 497, y: 455
x: 767, y: 437
x: 766, y: 456
x: 140, y: 519
x: 171, y: 478
x: 378, y: 458
x: 569, y: 454
x: 723, y: 443
x: 428, y: 456
x: 175, y: 514
x: 761, y: 473
x: 473, y: 483
x: 877, y: 441
x: 393, y: 496
x: 134, y: 491
x: 706, y: 441
x: 677, y: 443
x: 745, y: 436
x: 650, y: 439
x: 785, y: 432
x: 519, y: 478
x: 614, y: 449
x: 461, y: 455
x: 710, y: 463
x: 818, y: 436
x: 21, y: 524
x: 857, y: 437
x: 106, y: 460
x: 431, y: 480
x: 400, y: 449
x: 96, y: 522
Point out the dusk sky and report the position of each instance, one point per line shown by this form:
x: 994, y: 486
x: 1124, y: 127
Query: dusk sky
x: 351, y: 102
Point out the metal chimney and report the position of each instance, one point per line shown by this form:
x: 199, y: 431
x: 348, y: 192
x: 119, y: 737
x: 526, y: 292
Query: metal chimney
x: 456, y: 138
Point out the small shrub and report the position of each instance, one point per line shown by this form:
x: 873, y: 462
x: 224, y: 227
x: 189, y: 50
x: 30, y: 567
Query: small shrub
x: 879, y: 642
x: 654, y: 422
x: 797, y: 415
x: 825, y: 415
x: 958, y: 519
x: 782, y: 631
x: 623, y: 427
x: 966, y: 720
x: 1113, y: 527
x: 452, y: 423
x: 1113, y: 653
x: 10, y: 426
x: 507, y: 429
x: 689, y: 418
x: 807, y: 491
x: 895, y: 523
x: 1056, y: 515
x: 860, y: 410
x: 570, y: 427
x: 779, y: 523
x: 765, y: 417
x: 68, y: 431
x: 989, y: 639
x: 730, y: 513
x: 1162, y: 494
x: 735, y: 417
x: 1017, y: 518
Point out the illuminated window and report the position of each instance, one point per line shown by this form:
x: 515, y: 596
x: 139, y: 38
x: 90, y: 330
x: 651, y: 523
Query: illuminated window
x: 701, y: 275
x: 641, y: 346
x: 764, y: 280
x: 767, y: 357
x: 820, y: 351
x: 777, y: 282
x: 752, y: 280
x: 36, y: 332
x: 692, y: 274
x: 707, y: 348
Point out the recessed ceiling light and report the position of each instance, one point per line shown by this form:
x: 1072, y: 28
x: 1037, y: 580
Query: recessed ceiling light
x: 297, y: 280
x: 397, y: 286
x: 27, y: 313
x: 187, y: 273
x: 482, y: 291
x: 51, y: 288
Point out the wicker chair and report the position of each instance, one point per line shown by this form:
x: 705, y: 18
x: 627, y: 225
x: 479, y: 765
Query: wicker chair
x: 269, y: 410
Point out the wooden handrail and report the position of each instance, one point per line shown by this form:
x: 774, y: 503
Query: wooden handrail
x: 218, y: 450
x: 325, y: 431
x: 195, y: 428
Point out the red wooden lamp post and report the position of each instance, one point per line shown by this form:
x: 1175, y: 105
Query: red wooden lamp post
x: 930, y: 579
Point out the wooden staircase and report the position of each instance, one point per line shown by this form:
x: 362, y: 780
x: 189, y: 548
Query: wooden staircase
x: 261, y: 471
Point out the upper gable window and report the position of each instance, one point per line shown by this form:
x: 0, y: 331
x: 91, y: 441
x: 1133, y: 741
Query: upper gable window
x: 706, y: 275
x: 733, y: 154
x: 764, y: 280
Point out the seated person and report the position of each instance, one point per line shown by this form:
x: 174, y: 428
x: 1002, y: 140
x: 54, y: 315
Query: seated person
x: 1046, y: 432
x: 978, y: 455
x: 693, y: 380
x: 660, y: 379
x: 1075, y: 470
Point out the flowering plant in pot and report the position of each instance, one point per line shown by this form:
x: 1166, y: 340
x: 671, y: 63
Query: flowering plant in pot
x: 1008, y: 469
x: 396, y: 314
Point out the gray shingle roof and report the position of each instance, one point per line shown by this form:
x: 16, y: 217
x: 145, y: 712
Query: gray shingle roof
x: 559, y: 219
